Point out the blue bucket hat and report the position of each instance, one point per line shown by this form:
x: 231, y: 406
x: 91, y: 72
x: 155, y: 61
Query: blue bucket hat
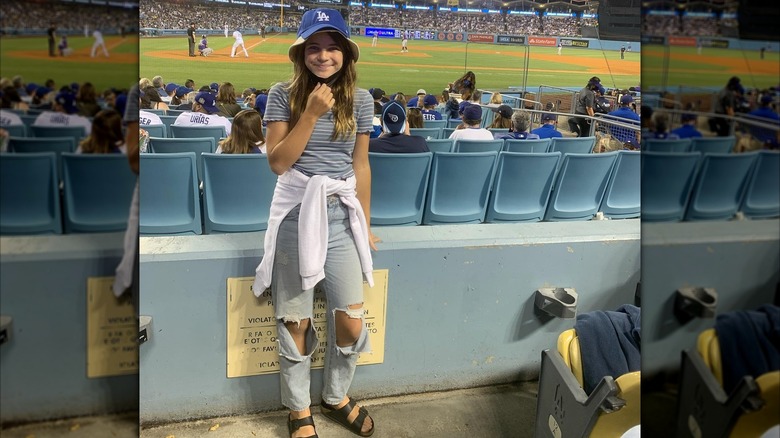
x: 323, y: 20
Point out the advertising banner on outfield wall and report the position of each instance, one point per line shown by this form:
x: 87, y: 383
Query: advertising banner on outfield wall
x: 652, y: 39
x: 479, y: 38
x: 449, y: 36
x: 718, y: 43
x: 682, y: 41
x: 510, y: 39
x: 542, y: 41
x: 568, y: 42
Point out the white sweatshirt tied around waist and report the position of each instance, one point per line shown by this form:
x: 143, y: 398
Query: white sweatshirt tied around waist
x: 293, y: 188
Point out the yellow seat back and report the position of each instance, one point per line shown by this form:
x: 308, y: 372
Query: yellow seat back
x: 709, y: 349
x: 569, y: 349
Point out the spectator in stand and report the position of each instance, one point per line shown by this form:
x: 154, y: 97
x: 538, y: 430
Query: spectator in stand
x: 415, y: 118
x: 109, y: 97
x: 416, y: 101
x: 42, y: 98
x: 503, y: 117
x: 86, y: 100
x: 204, y: 113
x: 625, y: 135
x: 150, y: 99
x: 106, y: 136
x: 246, y: 136
x: 261, y: 99
x: 496, y: 98
x: 725, y: 104
x: 144, y: 83
x: 400, y: 98
x: 767, y: 137
x: 159, y: 85
x: 187, y: 99
x: 688, y: 128
x: 63, y: 113
x: 521, y: 121
x: 226, y: 100
x: 661, y: 126
x: 147, y: 118
x: 395, y: 137
x: 11, y: 100
x: 378, y: 94
x: 450, y: 105
x: 466, y: 82
x: 547, y: 130
x: 7, y: 101
x: 429, y: 104
x: 189, y: 83
x: 177, y: 98
x: 472, y: 119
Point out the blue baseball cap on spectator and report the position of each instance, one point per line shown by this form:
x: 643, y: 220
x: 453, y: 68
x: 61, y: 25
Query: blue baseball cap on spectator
x: 120, y: 103
x: 181, y: 91
x: 766, y: 99
x: 626, y: 99
x: 66, y: 99
x: 430, y: 99
x: 687, y: 117
x: 472, y: 112
x: 393, y: 117
x: 74, y: 86
x: 42, y: 91
x: 463, y: 106
x: 30, y: 88
x: 214, y: 86
x: 170, y: 87
x: 317, y: 20
x: 548, y: 116
x: 207, y: 101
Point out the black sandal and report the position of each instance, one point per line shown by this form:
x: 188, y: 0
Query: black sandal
x: 294, y: 425
x: 340, y: 416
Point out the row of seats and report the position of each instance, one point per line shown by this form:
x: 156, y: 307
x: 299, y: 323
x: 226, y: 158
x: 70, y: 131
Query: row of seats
x: 722, y: 145
x: 694, y: 186
x: 90, y: 193
x: 22, y: 131
x: 407, y: 189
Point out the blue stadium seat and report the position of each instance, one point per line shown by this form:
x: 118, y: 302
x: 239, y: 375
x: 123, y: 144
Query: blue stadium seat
x: 446, y: 132
x: 718, y: 145
x: 762, y: 199
x: 216, y: 132
x: 720, y: 186
x: 623, y: 195
x: 28, y: 120
x: 58, y: 145
x: 169, y: 196
x: 522, y: 186
x: 159, y: 131
x: 468, y: 146
x: 663, y: 145
x: 495, y: 131
x: 16, y: 130
x: 76, y: 132
x: 453, y: 123
x: 29, y: 194
x: 573, y: 145
x: 441, y: 145
x: 175, y: 112
x: 487, y: 117
x: 399, y: 183
x: 667, y: 180
x: 168, y: 121
x: 237, y: 192
x: 579, y: 186
x: 426, y: 133
x: 196, y: 145
x: 97, y: 191
x: 159, y: 112
x: 435, y: 123
x: 459, y: 187
x: 527, y: 146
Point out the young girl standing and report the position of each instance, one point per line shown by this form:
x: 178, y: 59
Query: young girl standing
x: 318, y: 126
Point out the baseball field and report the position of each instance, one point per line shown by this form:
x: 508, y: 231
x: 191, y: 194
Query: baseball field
x: 428, y: 64
x: 29, y: 57
x: 712, y: 68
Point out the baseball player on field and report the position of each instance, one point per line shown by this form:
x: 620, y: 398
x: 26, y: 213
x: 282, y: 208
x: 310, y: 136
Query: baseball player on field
x: 203, y: 47
x: 98, y: 43
x: 239, y: 42
x: 226, y: 30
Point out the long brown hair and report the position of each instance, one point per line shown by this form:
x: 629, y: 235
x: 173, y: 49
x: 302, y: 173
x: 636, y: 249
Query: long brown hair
x: 226, y: 93
x: 245, y: 134
x: 343, y: 87
x: 106, y: 133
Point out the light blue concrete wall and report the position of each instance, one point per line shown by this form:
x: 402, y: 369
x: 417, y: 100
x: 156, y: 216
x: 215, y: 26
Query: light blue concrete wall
x: 43, y: 287
x: 460, y: 309
x: 740, y: 259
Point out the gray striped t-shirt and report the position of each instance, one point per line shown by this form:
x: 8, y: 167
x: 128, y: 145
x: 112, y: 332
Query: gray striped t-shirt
x: 323, y: 156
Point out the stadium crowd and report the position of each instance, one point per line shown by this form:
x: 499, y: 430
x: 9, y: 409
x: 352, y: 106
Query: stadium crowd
x: 71, y: 17
x: 663, y: 25
x: 174, y: 16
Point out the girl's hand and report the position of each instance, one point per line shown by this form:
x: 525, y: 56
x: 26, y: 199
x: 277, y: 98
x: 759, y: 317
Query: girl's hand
x: 320, y: 100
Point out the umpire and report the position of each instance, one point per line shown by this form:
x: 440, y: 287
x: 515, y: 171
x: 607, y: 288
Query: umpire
x: 584, y: 106
x: 191, y: 38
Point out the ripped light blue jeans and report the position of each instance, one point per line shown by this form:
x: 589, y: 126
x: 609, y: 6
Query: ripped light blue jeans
x: 343, y: 285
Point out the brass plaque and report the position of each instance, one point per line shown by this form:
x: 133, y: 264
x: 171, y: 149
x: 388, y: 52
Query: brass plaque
x: 252, y: 348
x: 112, y: 331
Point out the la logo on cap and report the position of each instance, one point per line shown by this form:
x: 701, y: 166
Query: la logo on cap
x: 322, y: 16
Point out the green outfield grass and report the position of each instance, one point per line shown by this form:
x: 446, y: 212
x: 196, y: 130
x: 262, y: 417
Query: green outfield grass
x: 29, y: 57
x: 712, y: 68
x: 429, y: 64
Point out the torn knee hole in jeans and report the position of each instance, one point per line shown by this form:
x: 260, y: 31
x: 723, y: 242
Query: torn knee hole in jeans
x: 353, y: 311
x: 287, y: 345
